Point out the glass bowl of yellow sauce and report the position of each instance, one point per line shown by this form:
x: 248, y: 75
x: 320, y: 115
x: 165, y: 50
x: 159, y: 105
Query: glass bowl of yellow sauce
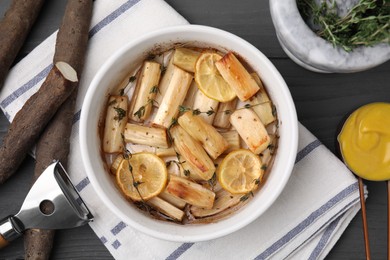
x: 365, y: 141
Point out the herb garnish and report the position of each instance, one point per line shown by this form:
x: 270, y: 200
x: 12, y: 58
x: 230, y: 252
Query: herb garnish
x: 132, y: 79
x: 154, y: 90
x: 213, y: 180
x: 246, y: 196
x: 366, y: 24
x: 121, y: 113
x: 211, y: 111
x: 141, y: 111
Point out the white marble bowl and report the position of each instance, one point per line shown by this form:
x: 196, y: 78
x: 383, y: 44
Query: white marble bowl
x: 312, y: 52
x: 117, y: 67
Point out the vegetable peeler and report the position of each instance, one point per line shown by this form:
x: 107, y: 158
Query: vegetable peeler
x: 52, y: 203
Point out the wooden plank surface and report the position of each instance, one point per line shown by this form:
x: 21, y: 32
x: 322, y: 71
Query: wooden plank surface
x: 322, y: 100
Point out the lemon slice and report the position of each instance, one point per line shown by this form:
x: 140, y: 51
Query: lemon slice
x: 150, y: 176
x: 240, y: 171
x: 209, y: 80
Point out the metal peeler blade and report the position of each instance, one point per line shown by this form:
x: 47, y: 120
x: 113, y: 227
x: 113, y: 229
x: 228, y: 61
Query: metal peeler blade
x: 53, y: 190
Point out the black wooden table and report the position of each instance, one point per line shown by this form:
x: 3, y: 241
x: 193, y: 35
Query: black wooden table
x: 321, y: 100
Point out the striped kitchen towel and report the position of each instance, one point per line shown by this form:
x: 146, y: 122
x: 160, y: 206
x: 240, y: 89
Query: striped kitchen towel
x: 306, y: 220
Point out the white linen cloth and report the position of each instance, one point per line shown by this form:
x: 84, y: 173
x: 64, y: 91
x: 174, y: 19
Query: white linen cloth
x: 305, y: 222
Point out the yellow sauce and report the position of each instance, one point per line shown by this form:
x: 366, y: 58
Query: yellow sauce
x: 365, y: 141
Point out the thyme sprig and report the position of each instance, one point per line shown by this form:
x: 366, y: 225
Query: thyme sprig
x: 179, y: 163
x: 366, y: 24
x: 211, y: 111
x: 127, y: 156
x: 246, y: 196
x: 141, y: 111
x: 121, y: 113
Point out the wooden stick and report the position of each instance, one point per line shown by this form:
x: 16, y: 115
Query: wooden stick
x: 388, y: 220
x: 14, y: 28
x: 364, y: 219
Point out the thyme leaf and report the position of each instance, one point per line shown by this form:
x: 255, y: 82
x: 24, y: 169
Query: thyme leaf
x: 183, y: 109
x: 121, y: 113
x: 154, y: 90
x: 137, y: 183
x: 132, y: 79
x: 246, y: 196
x: 187, y: 173
x: 140, y: 112
x: 213, y: 181
x: 210, y: 112
x: 196, y: 112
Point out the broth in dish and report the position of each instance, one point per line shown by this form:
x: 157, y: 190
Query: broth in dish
x: 191, y: 135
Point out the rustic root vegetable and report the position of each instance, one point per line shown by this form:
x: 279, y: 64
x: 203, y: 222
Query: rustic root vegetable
x: 72, y: 37
x: 223, y: 201
x: 206, y: 134
x: 205, y: 104
x: 261, y: 103
x: 194, y: 155
x: 251, y: 129
x: 166, y: 208
x: 233, y: 140
x: 175, y: 201
x: 185, y: 58
x: 115, y: 164
x: 237, y: 76
x: 41, y: 250
x: 222, y: 116
x: 263, y: 108
x: 145, y: 91
x: 191, y: 93
x: 162, y: 152
x: 14, y: 28
x: 151, y: 136
x: 173, y: 97
x: 31, y: 120
x: 164, y: 82
x: 54, y: 143
x: 116, y: 119
x: 191, y: 192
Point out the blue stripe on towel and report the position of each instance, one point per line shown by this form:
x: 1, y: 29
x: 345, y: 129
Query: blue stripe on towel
x: 179, y: 251
x: 111, y: 17
x: 82, y: 184
x: 25, y: 87
x: 116, y: 244
x: 308, y: 221
x: 76, y: 117
x: 103, y: 239
x: 118, y: 228
x: 308, y: 148
x: 324, y: 239
x: 41, y: 75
